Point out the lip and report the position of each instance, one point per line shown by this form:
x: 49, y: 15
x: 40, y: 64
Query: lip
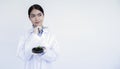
x: 37, y: 22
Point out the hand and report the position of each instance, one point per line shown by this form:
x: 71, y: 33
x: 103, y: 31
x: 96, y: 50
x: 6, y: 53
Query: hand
x: 37, y: 29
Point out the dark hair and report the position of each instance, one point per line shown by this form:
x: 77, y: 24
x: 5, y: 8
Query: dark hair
x: 35, y: 6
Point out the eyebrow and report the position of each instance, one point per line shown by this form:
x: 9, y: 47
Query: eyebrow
x: 35, y: 14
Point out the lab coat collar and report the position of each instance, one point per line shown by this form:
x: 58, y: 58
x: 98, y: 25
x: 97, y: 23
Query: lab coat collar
x: 43, y: 29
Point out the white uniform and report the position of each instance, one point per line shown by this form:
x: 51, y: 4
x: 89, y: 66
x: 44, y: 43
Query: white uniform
x: 37, y: 61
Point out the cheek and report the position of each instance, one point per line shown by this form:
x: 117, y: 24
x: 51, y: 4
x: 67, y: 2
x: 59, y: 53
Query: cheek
x: 42, y: 18
x: 32, y: 19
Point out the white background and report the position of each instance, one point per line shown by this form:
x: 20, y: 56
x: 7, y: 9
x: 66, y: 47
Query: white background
x: 88, y: 32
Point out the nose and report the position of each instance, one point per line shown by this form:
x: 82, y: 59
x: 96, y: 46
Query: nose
x: 36, y: 18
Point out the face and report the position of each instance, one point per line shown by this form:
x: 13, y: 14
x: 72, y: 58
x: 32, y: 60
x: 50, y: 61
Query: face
x: 36, y: 17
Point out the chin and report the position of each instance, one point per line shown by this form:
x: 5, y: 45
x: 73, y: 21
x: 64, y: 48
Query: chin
x: 37, y: 24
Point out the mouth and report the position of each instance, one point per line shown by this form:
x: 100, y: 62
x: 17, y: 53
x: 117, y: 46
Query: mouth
x: 37, y: 22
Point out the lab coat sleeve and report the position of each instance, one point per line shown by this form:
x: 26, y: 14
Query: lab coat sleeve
x: 25, y: 46
x: 52, y: 52
x: 21, y: 49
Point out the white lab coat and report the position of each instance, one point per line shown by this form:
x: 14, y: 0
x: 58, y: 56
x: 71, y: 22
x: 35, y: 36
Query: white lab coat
x: 37, y: 61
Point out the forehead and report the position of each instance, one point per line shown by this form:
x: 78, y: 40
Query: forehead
x: 35, y: 11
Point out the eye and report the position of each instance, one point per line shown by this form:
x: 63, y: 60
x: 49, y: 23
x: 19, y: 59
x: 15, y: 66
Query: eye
x: 32, y: 15
x: 39, y: 14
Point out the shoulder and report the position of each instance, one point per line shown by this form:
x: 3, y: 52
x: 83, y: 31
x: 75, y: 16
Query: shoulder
x: 26, y: 33
x: 49, y: 34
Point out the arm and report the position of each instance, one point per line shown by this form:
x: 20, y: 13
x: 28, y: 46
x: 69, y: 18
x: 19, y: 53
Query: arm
x: 52, y: 52
x: 25, y: 46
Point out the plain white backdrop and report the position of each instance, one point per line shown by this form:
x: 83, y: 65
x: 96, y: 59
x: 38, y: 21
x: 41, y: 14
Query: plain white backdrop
x: 88, y: 32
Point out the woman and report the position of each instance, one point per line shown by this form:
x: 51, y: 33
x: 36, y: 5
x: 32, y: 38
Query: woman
x: 37, y: 47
